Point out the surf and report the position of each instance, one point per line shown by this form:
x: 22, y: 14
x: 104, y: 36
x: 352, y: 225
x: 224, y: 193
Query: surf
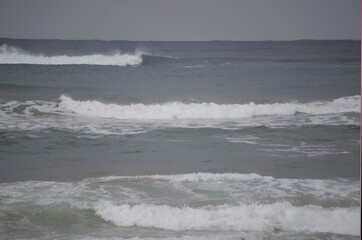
x: 12, y: 55
x: 97, y: 118
x: 179, y: 110
x: 253, y: 217
x: 220, y: 202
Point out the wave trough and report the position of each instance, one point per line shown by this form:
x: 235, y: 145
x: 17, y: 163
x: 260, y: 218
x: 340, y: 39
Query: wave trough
x: 12, y: 55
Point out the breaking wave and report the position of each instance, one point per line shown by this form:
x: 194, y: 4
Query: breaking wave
x: 12, y: 55
x: 210, y: 202
x: 253, y: 217
x: 83, y: 116
x: 178, y: 110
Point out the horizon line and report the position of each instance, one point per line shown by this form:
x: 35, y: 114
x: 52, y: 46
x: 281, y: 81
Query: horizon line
x: 215, y: 40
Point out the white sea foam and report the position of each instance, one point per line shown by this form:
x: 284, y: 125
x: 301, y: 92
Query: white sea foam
x: 193, y: 177
x: 254, y: 217
x: 202, y: 201
x: 199, y: 187
x: 12, y: 55
x: 309, y: 150
x: 245, y: 139
x: 244, y: 186
x: 178, y: 110
x: 116, y: 119
x: 188, y: 236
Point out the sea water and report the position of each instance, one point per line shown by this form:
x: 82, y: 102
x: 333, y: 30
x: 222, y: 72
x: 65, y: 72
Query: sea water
x: 179, y: 140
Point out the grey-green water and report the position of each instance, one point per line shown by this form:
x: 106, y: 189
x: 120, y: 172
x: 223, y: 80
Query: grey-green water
x: 179, y: 140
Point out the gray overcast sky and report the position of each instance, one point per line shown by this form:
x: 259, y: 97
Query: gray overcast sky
x: 180, y: 19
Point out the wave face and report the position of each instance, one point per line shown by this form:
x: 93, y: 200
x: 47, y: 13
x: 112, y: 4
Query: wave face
x: 205, y: 203
x: 12, y: 55
x: 177, y: 110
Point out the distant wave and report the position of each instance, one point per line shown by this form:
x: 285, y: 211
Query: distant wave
x: 12, y: 55
x: 178, y: 110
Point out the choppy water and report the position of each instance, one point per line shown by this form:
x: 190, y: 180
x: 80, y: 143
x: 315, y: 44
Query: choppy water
x: 179, y: 140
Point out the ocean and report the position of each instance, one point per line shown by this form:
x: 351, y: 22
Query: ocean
x: 179, y: 140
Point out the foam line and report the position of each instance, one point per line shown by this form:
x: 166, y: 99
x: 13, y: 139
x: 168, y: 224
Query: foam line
x: 178, y: 110
x: 254, y: 217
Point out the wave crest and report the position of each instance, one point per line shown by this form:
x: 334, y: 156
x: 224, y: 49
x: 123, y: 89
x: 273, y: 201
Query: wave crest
x: 12, y: 55
x: 178, y: 110
x: 140, y: 118
x: 210, y: 201
x: 254, y: 217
